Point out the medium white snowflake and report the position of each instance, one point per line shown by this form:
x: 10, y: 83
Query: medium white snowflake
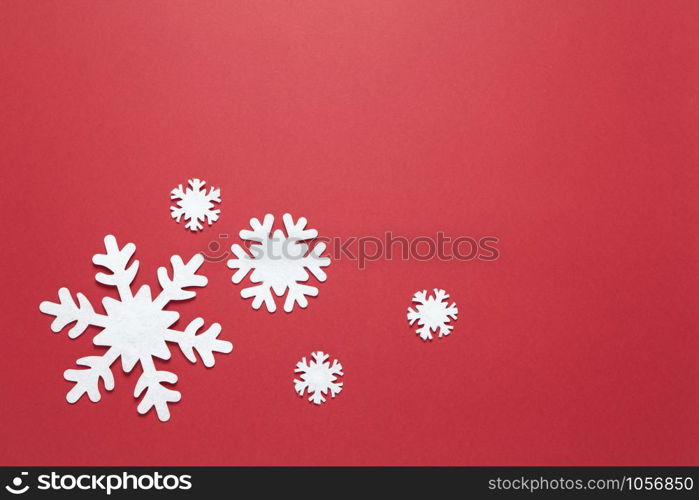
x: 279, y: 262
x: 433, y: 312
x: 318, y: 377
x: 195, y: 204
x: 136, y: 328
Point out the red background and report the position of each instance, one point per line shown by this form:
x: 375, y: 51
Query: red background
x: 566, y: 129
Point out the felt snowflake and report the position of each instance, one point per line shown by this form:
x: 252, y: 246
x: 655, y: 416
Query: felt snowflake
x: 135, y: 328
x: 433, y: 312
x: 318, y: 377
x: 279, y: 262
x: 195, y: 204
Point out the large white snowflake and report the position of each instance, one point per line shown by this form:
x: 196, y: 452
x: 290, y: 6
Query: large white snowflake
x: 195, y: 204
x: 279, y: 262
x: 318, y: 377
x: 433, y: 312
x: 136, y: 328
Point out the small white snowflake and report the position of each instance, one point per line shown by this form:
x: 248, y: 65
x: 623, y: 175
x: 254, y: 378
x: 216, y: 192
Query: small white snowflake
x: 318, y: 377
x: 433, y: 312
x: 136, y: 328
x: 195, y: 204
x: 279, y: 262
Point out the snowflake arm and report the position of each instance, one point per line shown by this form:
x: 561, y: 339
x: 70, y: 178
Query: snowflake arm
x: 116, y: 260
x: 183, y: 276
x: 413, y: 316
x: 178, y: 211
x: 297, y: 231
x: 195, y: 204
x: 261, y: 294
x: 243, y: 263
x: 297, y: 295
x: 318, y: 377
x: 439, y: 295
x: 156, y: 394
x: 87, y: 381
x: 420, y: 297
x: 67, y: 311
x: 315, y: 261
x: 260, y: 232
x: 297, y: 291
x: 205, y: 344
x: 422, y: 331
x: 425, y: 333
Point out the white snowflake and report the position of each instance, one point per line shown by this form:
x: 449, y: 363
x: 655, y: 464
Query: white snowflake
x: 433, y: 312
x: 279, y: 262
x: 195, y: 204
x: 318, y: 377
x: 136, y: 328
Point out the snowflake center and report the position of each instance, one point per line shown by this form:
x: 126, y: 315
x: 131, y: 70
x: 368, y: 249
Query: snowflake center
x: 318, y: 376
x: 433, y: 313
x: 196, y: 203
x: 279, y: 261
x: 136, y: 327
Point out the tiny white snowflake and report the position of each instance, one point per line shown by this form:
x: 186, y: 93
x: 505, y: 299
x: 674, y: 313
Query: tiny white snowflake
x: 136, y: 328
x: 279, y: 262
x: 433, y: 312
x: 195, y: 204
x: 318, y: 377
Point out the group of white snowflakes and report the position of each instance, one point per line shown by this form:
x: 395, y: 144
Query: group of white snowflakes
x: 137, y: 328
